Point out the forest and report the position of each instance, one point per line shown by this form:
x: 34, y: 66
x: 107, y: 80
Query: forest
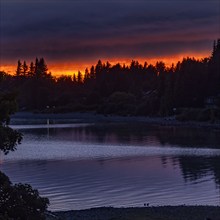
x: 189, y: 89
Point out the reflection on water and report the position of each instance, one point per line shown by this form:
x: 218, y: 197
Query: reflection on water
x: 195, y: 168
x: 128, y: 133
x: 84, y: 166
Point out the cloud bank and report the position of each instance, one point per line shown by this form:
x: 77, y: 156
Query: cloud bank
x: 83, y: 31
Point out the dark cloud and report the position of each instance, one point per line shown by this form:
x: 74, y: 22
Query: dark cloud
x: 74, y: 30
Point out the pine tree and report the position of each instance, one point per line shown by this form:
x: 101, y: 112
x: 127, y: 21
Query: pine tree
x: 92, y: 72
x: 74, y: 78
x: 215, y: 68
x: 25, y: 69
x: 79, y: 77
x: 42, y: 67
x: 19, y: 68
x: 31, y: 69
x: 86, y: 76
x: 214, y: 48
x: 36, y: 71
x: 98, y: 67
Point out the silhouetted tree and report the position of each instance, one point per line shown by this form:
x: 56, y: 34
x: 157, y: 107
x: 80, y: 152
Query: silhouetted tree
x: 161, y: 74
x: 36, y: 70
x: 42, y: 68
x: 74, y: 78
x: 166, y: 101
x: 25, y: 69
x: 98, y: 68
x: 9, y: 138
x: 79, y: 77
x: 157, y: 88
x: 16, y: 201
x: 86, y: 75
x: 19, y: 68
x: 31, y: 69
x: 214, y: 69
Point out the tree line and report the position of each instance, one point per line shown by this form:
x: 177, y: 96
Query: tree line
x: 135, y: 89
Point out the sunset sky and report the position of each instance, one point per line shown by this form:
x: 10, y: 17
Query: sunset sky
x: 74, y: 34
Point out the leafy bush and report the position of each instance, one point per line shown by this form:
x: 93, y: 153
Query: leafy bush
x: 20, y: 201
x: 9, y: 139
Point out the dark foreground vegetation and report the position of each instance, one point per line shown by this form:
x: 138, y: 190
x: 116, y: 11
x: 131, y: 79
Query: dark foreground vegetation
x: 189, y: 89
x: 19, y: 201
x: 148, y: 213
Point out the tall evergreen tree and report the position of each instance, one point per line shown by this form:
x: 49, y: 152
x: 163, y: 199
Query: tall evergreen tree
x: 92, y: 72
x: 79, y: 77
x: 86, y: 75
x: 214, y: 69
x: 42, y: 67
x: 31, y: 69
x: 99, y: 67
x: 36, y: 70
x: 19, y: 68
x: 25, y: 69
x: 74, y: 78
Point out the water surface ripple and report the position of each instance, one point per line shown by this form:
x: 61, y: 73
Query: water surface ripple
x: 80, y: 166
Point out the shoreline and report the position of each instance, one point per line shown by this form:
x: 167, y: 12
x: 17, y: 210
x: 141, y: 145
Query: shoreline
x: 181, y: 212
x: 143, y: 213
x: 75, y: 117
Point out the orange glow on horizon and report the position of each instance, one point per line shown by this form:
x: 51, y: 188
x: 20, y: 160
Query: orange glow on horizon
x: 70, y: 68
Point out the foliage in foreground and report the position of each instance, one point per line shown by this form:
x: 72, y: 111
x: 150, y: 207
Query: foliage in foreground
x: 19, y: 201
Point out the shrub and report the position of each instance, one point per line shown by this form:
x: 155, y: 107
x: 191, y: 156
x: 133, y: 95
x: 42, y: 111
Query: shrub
x: 20, y: 201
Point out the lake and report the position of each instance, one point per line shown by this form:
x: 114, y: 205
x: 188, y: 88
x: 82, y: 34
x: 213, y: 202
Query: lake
x: 79, y: 166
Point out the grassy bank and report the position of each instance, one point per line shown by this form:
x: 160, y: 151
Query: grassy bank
x: 146, y: 213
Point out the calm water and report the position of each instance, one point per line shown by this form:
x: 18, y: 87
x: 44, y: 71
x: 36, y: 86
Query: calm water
x: 80, y: 166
